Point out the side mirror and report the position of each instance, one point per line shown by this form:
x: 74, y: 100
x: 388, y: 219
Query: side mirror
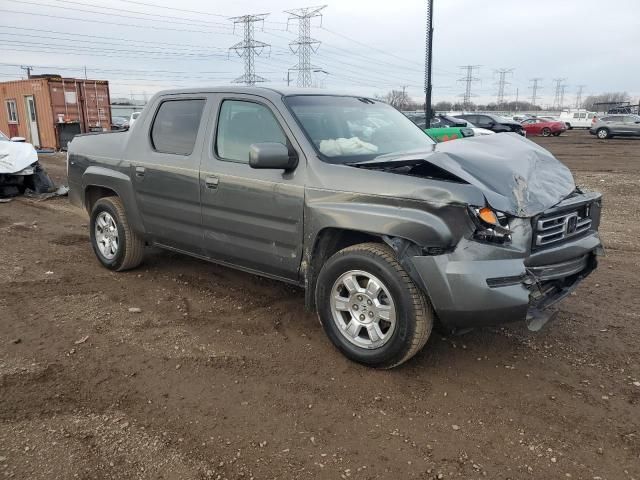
x: 18, y: 139
x: 271, y: 156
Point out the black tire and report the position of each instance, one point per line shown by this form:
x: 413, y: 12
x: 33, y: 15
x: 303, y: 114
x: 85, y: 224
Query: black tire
x: 414, y: 314
x: 603, y: 133
x: 569, y: 127
x: 556, y: 134
x: 546, y: 132
x: 130, y: 250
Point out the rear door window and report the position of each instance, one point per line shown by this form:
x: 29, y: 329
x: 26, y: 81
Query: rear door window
x: 241, y: 124
x: 176, y: 125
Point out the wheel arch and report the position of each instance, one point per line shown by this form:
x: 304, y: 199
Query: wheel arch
x: 100, y: 182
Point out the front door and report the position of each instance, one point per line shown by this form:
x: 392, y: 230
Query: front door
x: 251, y: 218
x: 32, y: 120
x: 164, y: 170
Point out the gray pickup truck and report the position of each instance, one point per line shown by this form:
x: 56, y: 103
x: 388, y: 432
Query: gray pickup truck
x: 389, y: 233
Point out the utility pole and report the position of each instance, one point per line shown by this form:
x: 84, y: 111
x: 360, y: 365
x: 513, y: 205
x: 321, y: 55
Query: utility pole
x: 579, y: 95
x: 428, y: 61
x: 27, y: 69
x: 305, y: 45
x: 534, y: 89
x: 248, y: 48
x: 403, y: 104
x: 502, y: 82
x: 85, y: 72
x: 517, y: 97
x: 469, y: 79
x: 556, y: 99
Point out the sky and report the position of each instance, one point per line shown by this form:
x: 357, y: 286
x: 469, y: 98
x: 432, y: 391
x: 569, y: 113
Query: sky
x: 369, y: 47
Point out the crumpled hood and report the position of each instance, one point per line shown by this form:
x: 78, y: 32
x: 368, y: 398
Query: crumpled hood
x: 515, y: 175
x: 16, y: 156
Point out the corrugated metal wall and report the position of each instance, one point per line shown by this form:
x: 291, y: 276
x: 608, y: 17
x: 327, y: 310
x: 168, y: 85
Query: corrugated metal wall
x: 58, y: 100
x: 17, y: 91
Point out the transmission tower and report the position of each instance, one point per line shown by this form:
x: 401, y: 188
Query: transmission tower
x: 502, y: 82
x: 563, y: 88
x: 469, y: 79
x: 534, y: 89
x: 579, y: 95
x: 248, y: 48
x: 557, y: 100
x: 305, y: 44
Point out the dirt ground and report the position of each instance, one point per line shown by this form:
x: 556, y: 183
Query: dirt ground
x: 223, y: 375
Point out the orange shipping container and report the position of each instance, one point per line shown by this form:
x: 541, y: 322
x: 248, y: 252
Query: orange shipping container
x: 49, y: 110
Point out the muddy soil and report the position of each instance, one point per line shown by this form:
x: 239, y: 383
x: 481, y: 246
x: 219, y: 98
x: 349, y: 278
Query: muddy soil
x: 223, y: 375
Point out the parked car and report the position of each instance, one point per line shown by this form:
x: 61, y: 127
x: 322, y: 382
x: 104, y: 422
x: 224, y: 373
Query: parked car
x: 119, y: 123
x: 577, y: 118
x: 616, y: 125
x: 442, y: 129
x: 387, y: 231
x: 495, y: 123
x: 544, y: 127
x: 476, y: 130
x: 19, y: 168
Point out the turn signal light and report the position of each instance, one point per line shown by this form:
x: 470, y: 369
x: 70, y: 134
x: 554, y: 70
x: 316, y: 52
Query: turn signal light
x: 487, y: 215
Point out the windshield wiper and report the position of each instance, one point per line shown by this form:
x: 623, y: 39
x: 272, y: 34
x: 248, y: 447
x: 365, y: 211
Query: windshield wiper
x: 386, y: 163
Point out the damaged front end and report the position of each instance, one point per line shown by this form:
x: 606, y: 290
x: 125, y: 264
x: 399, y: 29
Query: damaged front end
x: 528, y: 247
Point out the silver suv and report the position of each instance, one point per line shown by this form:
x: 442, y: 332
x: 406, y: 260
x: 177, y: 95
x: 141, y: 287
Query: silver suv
x: 616, y: 125
x: 386, y: 231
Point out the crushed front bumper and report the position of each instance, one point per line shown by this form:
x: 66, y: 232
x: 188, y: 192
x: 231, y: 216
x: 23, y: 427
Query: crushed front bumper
x: 466, y: 292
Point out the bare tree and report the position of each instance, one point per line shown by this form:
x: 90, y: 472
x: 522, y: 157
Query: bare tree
x: 609, y: 97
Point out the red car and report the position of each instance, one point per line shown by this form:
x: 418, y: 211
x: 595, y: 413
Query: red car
x: 540, y: 126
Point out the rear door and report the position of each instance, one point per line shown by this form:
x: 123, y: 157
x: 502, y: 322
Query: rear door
x: 252, y: 218
x: 164, y: 159
x: 631, y: 125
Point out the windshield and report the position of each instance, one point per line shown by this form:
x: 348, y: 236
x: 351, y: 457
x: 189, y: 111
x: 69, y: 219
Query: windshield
x: 351, y: 129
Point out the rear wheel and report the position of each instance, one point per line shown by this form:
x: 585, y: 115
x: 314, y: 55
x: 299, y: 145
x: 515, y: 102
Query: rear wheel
x: 546, y: 132
x: 370, y: 308
x: 115, y: 244
x: 603, y: 133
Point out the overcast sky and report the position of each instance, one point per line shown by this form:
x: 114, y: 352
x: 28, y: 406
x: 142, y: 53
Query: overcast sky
x: 368, y: 46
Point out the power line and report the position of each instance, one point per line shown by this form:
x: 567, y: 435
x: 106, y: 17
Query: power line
x: 305, y: 44
x: 534, y: 89
x: 469, y: 79
x: 502, y: 82
x: 249, y: 47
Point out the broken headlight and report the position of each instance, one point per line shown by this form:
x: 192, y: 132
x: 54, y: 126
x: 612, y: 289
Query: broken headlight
x: 491, y: 226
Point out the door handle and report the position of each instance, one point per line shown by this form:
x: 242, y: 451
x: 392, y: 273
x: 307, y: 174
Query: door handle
x: 139, y: 171
x: 211, y: 182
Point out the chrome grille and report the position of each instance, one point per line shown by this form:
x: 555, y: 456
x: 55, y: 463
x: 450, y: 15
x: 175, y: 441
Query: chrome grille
x: 553, y: 229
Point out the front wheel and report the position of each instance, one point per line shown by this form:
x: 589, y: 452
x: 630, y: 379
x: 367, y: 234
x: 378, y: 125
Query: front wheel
x: 603, y: 133
x: 546, y: 132
x: 115, y: 244
x: 370, y: 308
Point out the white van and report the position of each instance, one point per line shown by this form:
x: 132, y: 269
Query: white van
x: 577, y: 118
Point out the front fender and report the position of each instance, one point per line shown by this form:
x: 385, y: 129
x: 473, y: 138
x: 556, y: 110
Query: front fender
x: 426, y: 225
x: 121, y: 184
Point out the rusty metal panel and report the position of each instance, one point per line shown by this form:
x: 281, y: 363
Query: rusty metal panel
x: 17, y: 90
x: 81, y: 101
